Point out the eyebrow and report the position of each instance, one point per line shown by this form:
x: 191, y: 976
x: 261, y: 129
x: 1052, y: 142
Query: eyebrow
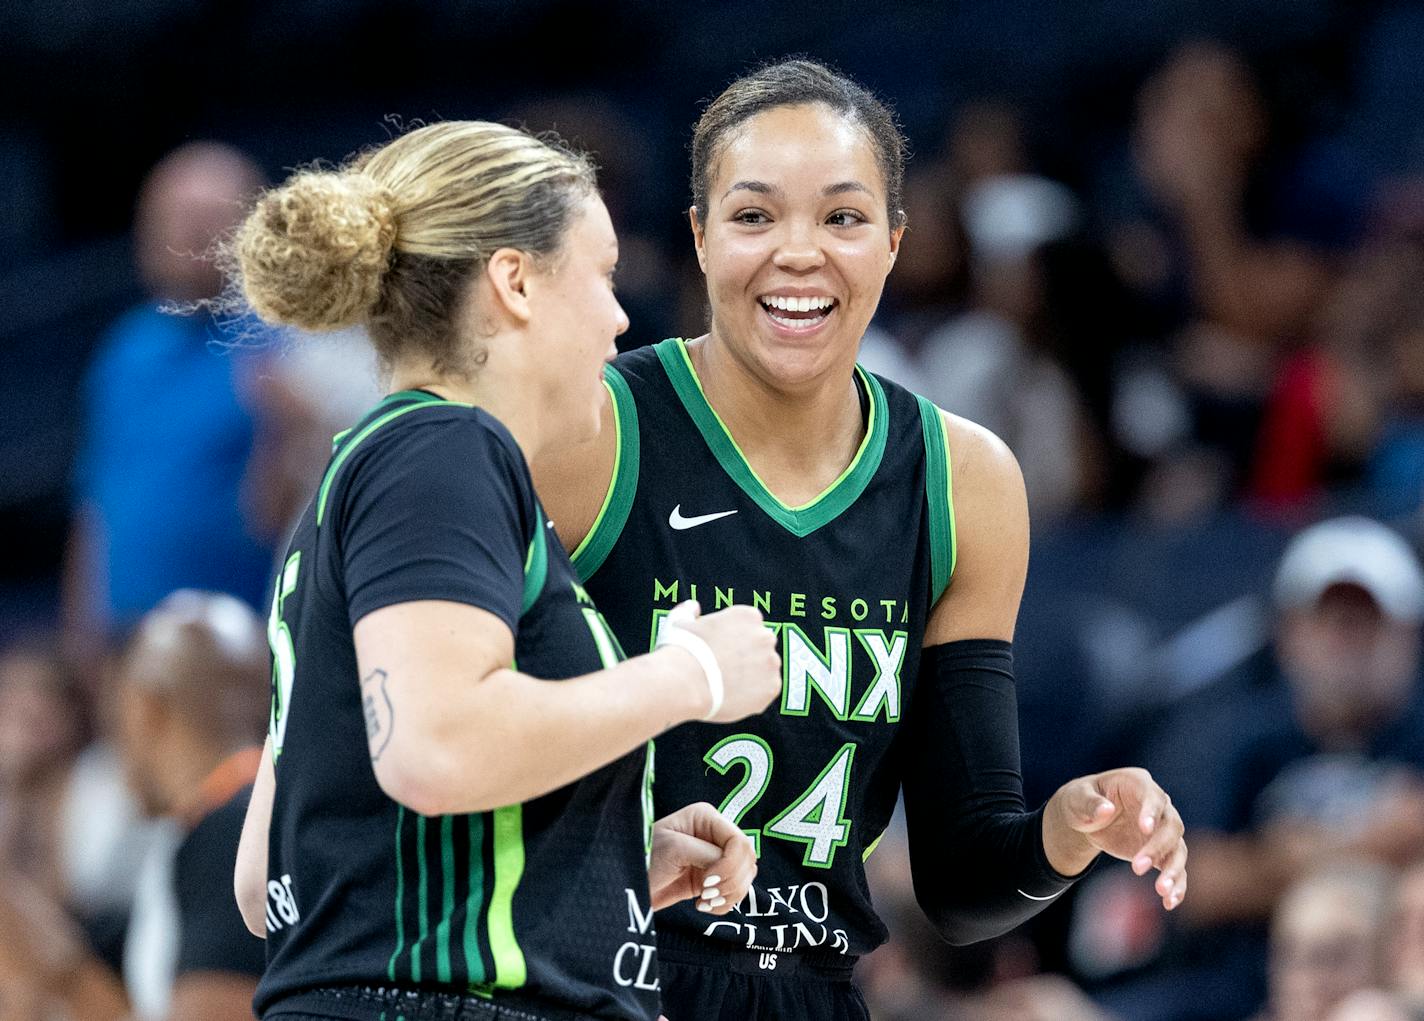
x: 845, y: 186
x: 762, y: 188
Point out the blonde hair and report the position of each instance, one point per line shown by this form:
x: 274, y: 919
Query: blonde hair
x: 389, y: 240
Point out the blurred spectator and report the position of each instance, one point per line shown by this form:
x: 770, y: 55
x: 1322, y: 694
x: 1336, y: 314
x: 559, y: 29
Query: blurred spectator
x: 1390, y: 354
x: 1036, y: 998
x: 192, y: 713
x: 996, y: 362
x: 1327, y: 942
x: 69, y: 827
x: 1371, y: 1005
x: 306, y: 394
x: 42, y: 729
x: 1316, y: 749
x: 1228, y: 229
x: 166, y: 439
x: 1340, y: 768
x: 192, y: 707
x: 1406, y: 948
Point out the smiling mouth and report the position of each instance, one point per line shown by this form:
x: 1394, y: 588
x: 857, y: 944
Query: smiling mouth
x: 800, y: 314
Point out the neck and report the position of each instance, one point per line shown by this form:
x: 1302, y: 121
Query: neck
x: 495, y: 386
x: 798, y: 440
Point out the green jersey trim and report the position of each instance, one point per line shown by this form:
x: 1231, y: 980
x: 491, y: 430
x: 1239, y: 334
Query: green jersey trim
x: 865, y: 855
x: 509, y: 968
x: 423, y: 900
x: 400, y: 896
x: 590, y: 554
x: 447, y: 899
x: 805, y: 519
x: 474, y: 962
x: 536, y: 564
x: 345, y: 442
x: 939, y: 492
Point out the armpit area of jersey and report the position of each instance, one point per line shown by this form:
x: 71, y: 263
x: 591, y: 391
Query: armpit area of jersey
x: 977, y: 856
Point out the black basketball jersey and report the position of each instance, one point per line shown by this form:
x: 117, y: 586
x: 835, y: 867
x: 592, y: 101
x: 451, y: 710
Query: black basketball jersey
x: 847, y: 582
x: 429, y: 499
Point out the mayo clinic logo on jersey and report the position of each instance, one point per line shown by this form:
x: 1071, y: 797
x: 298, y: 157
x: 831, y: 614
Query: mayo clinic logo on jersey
x: 636, y: 962
x: 780, y: 919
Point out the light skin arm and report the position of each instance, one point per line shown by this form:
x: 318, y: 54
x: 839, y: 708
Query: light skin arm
x: 698, y: 852
x: 250, y: 876
x: 1121, y: 811
x: 452, y: 729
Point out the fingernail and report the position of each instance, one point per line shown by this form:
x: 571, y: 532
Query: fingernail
x: 703, y: 906
x: 1167, y: 885
x: 1108, y: 805
x: 1141, y: 864
x: 711, y: 892
x: 1148, y: 824
x: 712, y: 881
x: 718, y: 902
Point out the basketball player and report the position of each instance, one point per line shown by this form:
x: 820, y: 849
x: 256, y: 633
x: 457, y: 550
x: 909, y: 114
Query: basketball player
x: 886, y: 543
x: 438, y: 829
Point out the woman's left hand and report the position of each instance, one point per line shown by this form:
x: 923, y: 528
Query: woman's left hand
x: 1125, y: 813
x: 698, y: 853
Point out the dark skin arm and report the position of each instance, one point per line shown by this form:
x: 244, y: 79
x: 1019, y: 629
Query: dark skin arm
x: 1121, y: 811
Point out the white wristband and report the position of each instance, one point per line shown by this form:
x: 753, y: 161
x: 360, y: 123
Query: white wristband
x: 671, y: 634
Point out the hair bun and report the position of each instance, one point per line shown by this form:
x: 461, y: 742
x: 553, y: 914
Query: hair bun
x: 313, y: 252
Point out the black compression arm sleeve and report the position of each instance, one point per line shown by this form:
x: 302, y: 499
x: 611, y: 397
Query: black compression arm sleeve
x: 976, y: 854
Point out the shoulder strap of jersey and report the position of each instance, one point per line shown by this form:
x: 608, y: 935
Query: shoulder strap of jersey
x: 390, y: 409
x: 590, y: 554
x: 939, y: 493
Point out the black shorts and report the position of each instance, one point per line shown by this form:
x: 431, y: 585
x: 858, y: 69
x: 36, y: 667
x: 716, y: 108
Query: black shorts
x: 701, y: 982
x: 390, y: 1004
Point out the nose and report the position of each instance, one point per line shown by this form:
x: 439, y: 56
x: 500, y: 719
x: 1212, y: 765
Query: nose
x: 798, y: 250
x: 621, y: 323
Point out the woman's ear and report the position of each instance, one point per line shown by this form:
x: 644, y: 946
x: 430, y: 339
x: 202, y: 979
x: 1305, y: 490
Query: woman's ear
x: 699, y: 237
x: 508, y: 271
x: 896, y: 236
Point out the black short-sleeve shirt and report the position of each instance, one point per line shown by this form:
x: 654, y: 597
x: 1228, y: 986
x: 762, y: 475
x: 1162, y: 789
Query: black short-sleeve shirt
x: 211, y: 933
x: 545, y: 901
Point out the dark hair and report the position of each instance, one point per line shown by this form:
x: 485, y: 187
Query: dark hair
x: 799, y: 82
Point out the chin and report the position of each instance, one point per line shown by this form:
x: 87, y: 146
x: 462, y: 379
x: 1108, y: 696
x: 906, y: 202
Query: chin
x: 794, y: 364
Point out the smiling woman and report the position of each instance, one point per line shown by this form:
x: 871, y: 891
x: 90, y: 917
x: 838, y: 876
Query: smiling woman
x: 795, y: 243
x: 844, y: 506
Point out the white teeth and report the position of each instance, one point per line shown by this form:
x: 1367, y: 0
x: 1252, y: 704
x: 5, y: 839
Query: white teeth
x: 788, y: 304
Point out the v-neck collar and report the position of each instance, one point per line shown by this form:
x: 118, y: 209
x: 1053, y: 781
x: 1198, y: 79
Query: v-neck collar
x: 808, y: 517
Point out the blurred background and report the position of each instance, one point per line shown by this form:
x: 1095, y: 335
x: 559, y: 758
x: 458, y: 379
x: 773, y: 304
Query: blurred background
x: 1172, y: 251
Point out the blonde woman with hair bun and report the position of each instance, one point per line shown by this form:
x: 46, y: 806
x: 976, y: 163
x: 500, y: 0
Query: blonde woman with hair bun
x: 454, y: 816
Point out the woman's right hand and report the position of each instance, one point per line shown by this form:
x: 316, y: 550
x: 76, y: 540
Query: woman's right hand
x: 746, y: 652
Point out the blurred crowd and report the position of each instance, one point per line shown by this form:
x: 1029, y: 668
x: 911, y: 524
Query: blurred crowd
x: 1203, y: 337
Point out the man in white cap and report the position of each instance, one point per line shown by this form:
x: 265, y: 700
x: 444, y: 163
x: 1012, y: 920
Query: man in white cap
x: 1350, y: 596
x: 1313, y: 751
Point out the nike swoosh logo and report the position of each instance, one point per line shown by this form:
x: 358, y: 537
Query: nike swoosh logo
x: 676, y: 520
